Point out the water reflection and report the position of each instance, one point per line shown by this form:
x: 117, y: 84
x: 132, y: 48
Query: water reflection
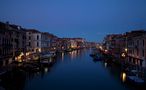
x: 19, y: 75
x: 105, y: 64
x: 62, y: 56
x: 69, y: 56
x: 123, y: 76
x: 68, y: 75
x: 13, y: 80
x: 73, y: 54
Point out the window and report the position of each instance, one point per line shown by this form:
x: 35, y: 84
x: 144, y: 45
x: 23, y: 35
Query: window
x: 137, y: 52
x: 143, y: 42
x: 137, y: 42
x: 29, y: 37
x: 37, y: 44
x: 37, y: 37
x: 29, y: 44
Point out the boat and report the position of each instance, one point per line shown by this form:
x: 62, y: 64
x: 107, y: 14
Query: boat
x: 97, y: 58
x: 135, y: 80
x: 47, y: 55
x: 92, y: 55
x: 45, y: 62
x: 2, y: 72
x: 30, y: 67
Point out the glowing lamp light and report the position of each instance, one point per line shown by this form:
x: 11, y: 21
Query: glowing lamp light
x: 123, y: 55
x: 126, y: 49
x: 39, y: 49
x: 27, y: 54
x: 100, y: 47
x: 105, y: 50
x: 19, y: 58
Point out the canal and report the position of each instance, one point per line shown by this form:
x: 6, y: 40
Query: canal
x: 74, y: 70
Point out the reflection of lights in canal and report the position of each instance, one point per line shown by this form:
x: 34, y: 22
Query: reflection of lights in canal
x: 73, y: 54
x: 46, y: 69
x: 105, y: 64
x: 62, y: 56
x: 38, y: 73
x: 50, y: 60
x: 123, y: 77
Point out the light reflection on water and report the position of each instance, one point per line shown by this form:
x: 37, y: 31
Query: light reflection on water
x: 123, y: 76
x: 80, y: 74
x: 105, y: 64
x: 73, y: 54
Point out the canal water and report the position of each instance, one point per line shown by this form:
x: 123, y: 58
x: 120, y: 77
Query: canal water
x: 74, y: 70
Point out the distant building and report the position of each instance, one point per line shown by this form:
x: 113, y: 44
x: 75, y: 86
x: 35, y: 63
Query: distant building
x: 74, y: 43
x: 45, y: 42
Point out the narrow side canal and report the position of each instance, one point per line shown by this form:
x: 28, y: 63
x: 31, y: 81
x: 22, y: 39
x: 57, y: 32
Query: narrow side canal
x: 74, y: 70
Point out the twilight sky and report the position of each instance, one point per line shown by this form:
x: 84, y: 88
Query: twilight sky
x: 90, y: 19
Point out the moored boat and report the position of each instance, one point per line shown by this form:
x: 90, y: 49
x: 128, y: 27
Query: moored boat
x: 135, y: 80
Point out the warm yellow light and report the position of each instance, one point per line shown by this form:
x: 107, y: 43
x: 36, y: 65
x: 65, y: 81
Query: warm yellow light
x: 123, y: 76
x: 36, y: 58
x: 123, y: 55
x: 39, y: 49
x: 100, y: 47
x: 22, y: 54
x: 19, y: 58
x: 126, y: 49
x: 20, y: 61
x: 27, y: 54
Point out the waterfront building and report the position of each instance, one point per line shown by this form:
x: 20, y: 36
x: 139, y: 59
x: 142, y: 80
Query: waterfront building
x: 115, y: 44
x: 33, y: 41
x: 129, y: 47
x: 136, y: 48
x: 45, y: 42
x: 12, y: 42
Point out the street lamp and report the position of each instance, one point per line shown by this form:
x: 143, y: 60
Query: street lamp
x: 126, y: 50
x: 123, y: 55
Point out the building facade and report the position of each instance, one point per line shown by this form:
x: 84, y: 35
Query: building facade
x: 115, y: 44
x: 33, y: 41
x: 12, y: 42
x: 45, y: 42
x: 136, y: 45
